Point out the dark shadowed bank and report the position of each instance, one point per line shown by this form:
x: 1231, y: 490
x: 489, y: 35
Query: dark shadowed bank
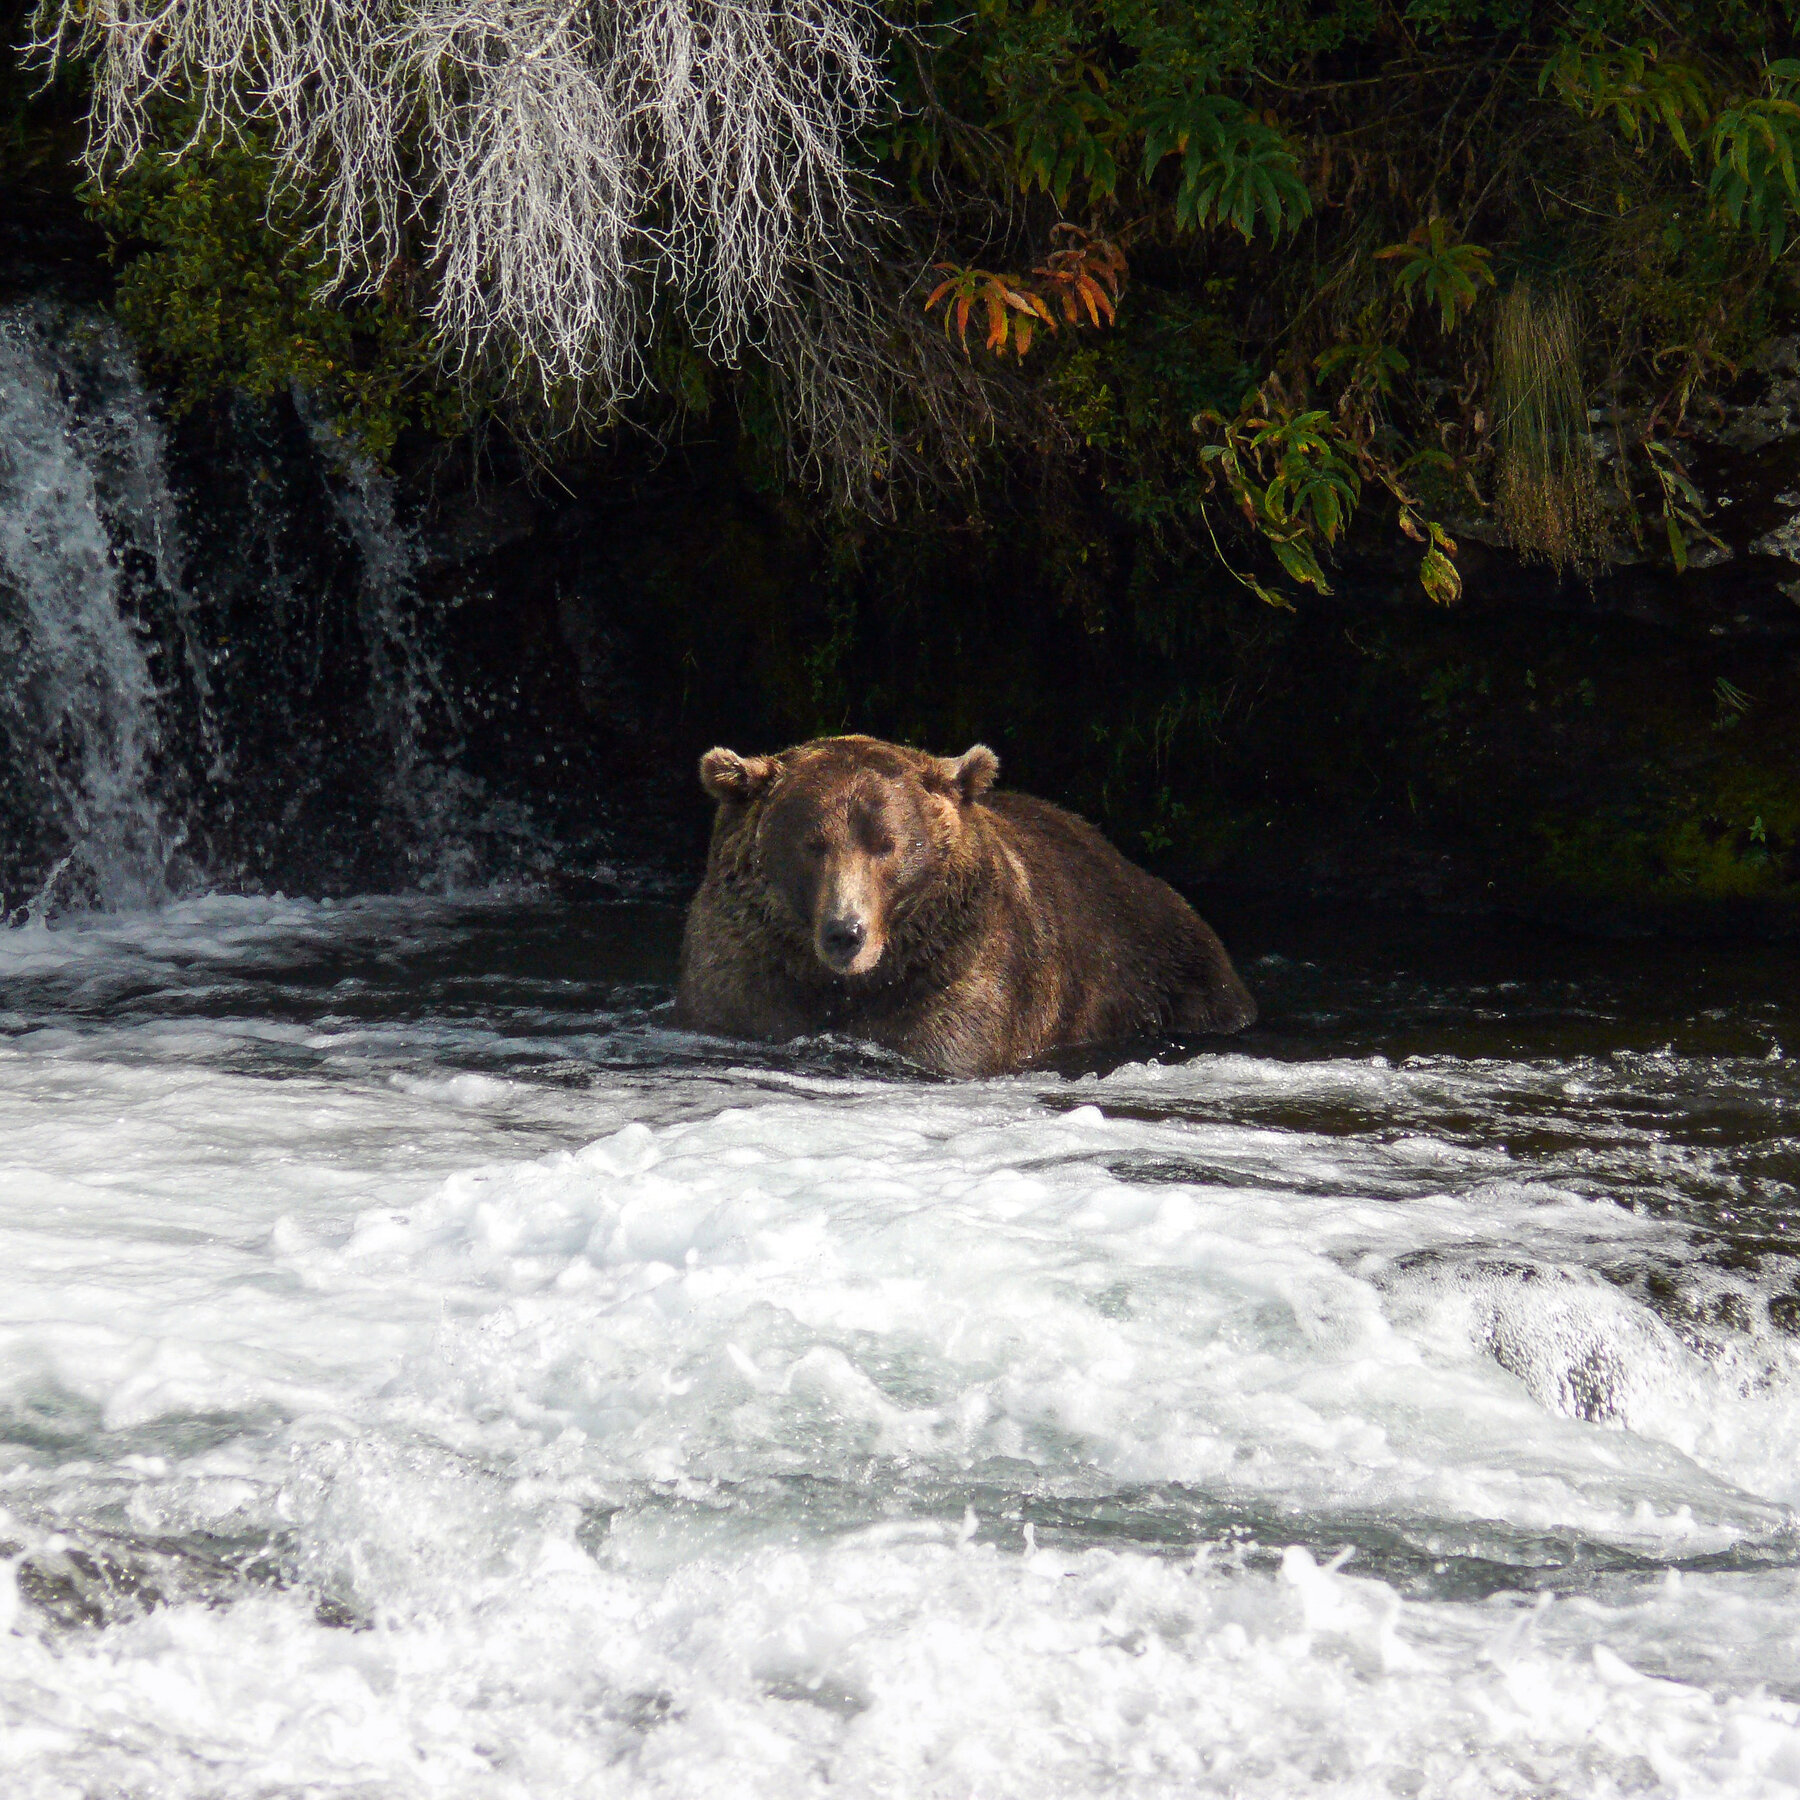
x: 1619, y: 756
x: 1601, y: 731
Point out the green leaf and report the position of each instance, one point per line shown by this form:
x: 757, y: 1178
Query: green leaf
x: 1295, y: 555
x: 1754, y: 182
x: 1634, y: 84
x: 1450, y: 274
x: 1438, y: 576
x: 1237, y: 170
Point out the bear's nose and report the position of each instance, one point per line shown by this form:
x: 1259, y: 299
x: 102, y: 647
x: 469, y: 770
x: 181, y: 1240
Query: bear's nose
x: 842, y: 938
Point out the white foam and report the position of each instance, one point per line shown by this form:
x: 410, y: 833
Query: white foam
x: 887, y: 1666
x: 695, y: 1456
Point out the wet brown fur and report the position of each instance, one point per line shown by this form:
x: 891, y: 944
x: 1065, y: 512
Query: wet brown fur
x: 1004, y: 926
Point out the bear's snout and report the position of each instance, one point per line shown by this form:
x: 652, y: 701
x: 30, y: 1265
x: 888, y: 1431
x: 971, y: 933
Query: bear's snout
x: 840, y: 939
x: 846, y: 942
x: 848, y: 910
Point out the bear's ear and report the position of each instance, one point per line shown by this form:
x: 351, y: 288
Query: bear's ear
x: 970, y: 775
x: 735, y: 779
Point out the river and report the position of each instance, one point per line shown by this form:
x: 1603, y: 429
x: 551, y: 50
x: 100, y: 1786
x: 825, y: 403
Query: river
x: 425, y: 1372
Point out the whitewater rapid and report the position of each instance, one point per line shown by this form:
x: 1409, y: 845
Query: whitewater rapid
x: 422, y: 1372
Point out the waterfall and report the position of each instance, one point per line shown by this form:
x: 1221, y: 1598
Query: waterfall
x: 411, y: 708
x: 88, y: 539
x: 217, y: 666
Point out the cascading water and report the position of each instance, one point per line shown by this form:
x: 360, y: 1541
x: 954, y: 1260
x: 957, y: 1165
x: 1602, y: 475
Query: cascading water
x: 406, y: 688
x: 88, y: 539
x: 219, y: 668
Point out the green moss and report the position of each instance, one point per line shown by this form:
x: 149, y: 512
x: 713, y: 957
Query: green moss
x: 222, y: 287
x: 1687, y: 861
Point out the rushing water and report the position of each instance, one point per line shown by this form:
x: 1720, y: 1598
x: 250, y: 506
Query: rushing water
x: 217, y: 671
x: 423, y: 1372
x: 88, y: 533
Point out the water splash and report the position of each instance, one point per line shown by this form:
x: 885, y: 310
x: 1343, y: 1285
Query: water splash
x: 218, y: 667
x: 413, y: 710
x: 89, y: 537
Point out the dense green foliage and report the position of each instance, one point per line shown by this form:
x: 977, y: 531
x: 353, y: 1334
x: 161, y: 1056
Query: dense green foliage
x: 227, y: 291
x: 1327, y: 208
x: 1351, y: 193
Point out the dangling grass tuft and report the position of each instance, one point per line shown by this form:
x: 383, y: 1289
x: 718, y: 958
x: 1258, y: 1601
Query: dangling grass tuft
x: 1545, y: 494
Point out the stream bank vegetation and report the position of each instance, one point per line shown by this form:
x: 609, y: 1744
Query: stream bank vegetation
x: 1270, y: 257
x: 1176, y: 324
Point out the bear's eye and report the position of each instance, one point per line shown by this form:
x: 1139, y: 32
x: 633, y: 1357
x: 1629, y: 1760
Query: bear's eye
x: 816, y: 846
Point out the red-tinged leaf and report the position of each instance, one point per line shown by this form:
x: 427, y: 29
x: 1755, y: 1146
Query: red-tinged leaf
x: 996, y: 311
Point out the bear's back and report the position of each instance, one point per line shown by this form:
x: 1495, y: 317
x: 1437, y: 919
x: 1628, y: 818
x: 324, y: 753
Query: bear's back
x: 1123, y: 952
x: 1094, y: 888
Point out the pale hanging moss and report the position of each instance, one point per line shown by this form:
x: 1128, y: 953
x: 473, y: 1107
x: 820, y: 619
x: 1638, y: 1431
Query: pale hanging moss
x: 1545, y: 494
x: 552, y: 164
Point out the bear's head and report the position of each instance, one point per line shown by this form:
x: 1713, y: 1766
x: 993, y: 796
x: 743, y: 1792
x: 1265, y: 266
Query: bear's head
x: 851, y: 835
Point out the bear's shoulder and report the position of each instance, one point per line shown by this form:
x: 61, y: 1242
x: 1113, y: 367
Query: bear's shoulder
x: 1043, y: 832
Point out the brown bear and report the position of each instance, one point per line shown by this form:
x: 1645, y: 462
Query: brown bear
x: 862, y: 887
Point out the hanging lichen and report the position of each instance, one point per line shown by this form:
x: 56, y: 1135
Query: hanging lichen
x: 554, y: 167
